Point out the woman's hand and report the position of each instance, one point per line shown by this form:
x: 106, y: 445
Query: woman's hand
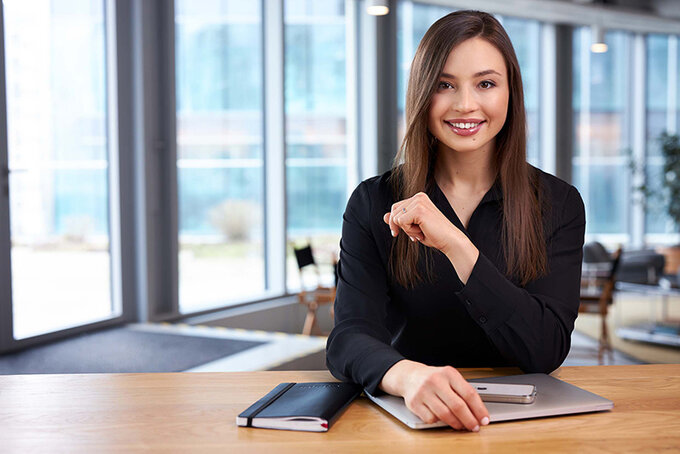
x: 422, y: 221
x: 436, y: 394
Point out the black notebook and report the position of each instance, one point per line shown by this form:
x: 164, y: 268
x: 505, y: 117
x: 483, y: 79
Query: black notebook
x: 300, y: 406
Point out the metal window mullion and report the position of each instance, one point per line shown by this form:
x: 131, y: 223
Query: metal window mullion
x: 129, y: 273
x: 168, y: 184
x: 115, y: 249
x: 638, y: 67
x: 147, y: 163
x: 672, y: 109
x: 368, y: 102
x: 155, y: 193
x: 274, y: 147
x: 351, y: 95
x: 6, y: 321
x: 672, y: 112
x: 547, y: 158
x: 584, y: 120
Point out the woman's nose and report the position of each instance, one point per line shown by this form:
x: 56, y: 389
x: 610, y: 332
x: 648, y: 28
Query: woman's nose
x: 465, y: 100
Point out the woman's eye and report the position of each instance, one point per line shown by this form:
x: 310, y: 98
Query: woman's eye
x: 444, y: 85
x: 487, y: 84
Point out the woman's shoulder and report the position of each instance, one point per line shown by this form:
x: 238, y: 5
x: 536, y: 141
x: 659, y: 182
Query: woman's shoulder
x: 561, y: 201
x: 378, y: 188
x: 371, y: 196
x: 556, y: 190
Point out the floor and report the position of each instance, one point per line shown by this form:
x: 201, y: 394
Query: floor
x: 281, y: 349
x: 295, y: 351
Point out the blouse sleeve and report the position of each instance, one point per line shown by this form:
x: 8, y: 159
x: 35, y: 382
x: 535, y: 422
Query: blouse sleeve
x: 531, y: 327
x: 358, y: 348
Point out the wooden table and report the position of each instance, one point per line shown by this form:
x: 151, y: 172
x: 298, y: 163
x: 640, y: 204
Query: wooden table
x: 188, y: 412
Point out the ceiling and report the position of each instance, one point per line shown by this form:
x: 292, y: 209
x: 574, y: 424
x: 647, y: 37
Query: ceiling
x: 665, y: 8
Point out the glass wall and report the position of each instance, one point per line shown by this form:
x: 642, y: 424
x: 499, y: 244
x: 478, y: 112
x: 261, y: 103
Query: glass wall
x: 58, y: 158
x: 663, y: 114
x: 316, y: 129
x: 219, y: 76
x: 526, y: 39
x: 602, y: 131
x: 414, y: 20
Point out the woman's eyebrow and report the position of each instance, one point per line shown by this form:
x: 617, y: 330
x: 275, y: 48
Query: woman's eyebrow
x: 479, y: 74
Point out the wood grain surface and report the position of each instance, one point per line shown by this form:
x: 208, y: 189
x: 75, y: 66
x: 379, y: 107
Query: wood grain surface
x: 196, y: 412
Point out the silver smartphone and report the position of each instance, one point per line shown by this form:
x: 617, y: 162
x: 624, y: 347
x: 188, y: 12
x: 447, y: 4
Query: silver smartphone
x: 505, y: 392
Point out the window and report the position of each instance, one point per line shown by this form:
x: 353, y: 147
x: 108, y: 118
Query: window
x: 219, y: 77
x: 663, y: 114
x: 316, y: 129
x: 525, y: 37
x: 602, y: 131
x: 58, y: 158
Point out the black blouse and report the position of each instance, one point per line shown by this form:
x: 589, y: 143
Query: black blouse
x: 490, y: 321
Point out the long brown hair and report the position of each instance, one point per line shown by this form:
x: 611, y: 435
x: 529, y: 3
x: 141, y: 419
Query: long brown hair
x: 523, y: 238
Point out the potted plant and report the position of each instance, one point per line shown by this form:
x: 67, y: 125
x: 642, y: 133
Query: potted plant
x: 669, y: 195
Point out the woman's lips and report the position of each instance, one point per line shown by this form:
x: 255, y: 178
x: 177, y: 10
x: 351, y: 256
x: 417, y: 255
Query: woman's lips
x: 465, y: 131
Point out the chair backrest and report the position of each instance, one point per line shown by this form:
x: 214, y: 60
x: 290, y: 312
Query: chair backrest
x: 595, y: 252
x: 304, y: 256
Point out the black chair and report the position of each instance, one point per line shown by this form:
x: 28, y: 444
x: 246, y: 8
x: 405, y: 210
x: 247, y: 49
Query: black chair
x: 597, y: 291
x: 315, y: 295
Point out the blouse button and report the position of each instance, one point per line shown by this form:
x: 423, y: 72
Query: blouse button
x: 482, y: 319
x: 468, y: 302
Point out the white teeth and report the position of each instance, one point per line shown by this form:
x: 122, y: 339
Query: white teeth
x: 464, y: 125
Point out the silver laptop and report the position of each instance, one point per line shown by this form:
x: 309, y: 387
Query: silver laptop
x: 553, y: 397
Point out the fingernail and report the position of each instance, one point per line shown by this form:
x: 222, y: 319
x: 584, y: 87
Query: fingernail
x: 485, y: 421
x: 392, y: 232
x: 476, y: 429
x: 411, y: 238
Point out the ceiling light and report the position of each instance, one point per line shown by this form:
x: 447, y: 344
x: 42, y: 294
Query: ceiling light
x: 597, y: 46
x: 377, y: 7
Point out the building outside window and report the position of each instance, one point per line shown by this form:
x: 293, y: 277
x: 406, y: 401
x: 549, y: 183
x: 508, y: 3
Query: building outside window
x: 220, y: 164
x: 316, y: 130
x: 55, y: 54
x: 602, y: 132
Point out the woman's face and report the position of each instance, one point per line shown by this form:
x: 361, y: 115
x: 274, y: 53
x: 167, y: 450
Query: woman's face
x: 470, y: 104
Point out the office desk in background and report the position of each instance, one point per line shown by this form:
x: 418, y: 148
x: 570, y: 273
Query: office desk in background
x: 188, y: 412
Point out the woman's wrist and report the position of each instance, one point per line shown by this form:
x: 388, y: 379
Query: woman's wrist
x: 462, y: 254
x: 394, y: 379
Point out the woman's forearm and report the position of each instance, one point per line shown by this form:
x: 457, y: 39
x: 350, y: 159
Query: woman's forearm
x: 462, y: 254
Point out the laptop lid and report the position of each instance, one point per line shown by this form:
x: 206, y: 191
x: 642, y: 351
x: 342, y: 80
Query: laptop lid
x: 553, y: 397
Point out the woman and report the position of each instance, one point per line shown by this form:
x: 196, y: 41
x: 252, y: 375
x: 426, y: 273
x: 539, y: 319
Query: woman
x: 463, y: 255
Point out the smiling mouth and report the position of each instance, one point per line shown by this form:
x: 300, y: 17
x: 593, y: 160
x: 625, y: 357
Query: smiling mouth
x: 465, y: 129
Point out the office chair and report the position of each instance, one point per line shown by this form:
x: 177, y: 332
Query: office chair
x: 317, y: 294
x: 598, y: 293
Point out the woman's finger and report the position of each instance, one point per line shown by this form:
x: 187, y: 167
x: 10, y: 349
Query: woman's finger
x: 424, y: 413
x: 394, y: 212
x: 459, y: 408
x: 444, y: 413
x: 470, y: 396
x: 408, y: 220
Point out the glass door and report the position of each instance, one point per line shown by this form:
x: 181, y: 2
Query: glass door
x: 58, y: 160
